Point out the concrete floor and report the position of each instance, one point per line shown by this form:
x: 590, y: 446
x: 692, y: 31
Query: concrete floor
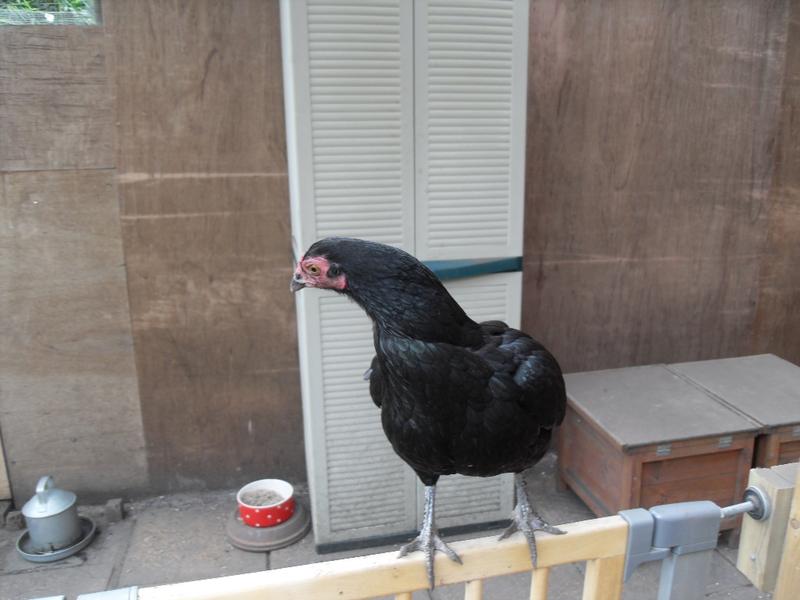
x: 181, y: 537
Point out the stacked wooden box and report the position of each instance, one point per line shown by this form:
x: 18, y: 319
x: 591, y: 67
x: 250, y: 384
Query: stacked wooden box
x: 766, y: 389
x: 643, y: 436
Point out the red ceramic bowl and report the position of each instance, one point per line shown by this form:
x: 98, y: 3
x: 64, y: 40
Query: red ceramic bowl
x: 267, y: 515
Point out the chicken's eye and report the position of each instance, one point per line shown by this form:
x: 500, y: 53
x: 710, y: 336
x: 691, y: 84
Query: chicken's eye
x: 313, y: 269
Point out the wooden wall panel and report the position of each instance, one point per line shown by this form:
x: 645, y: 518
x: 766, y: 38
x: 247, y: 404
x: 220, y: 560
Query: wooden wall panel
x: 55, y: 104
x: 69, y: 402
x: 651, y: 129
x: 777, y: 328
x: 199, y: 86
x: 208, y: 266
x: 203, y: 187
x: 662, y: 220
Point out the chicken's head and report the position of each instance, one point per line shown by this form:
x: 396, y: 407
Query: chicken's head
x: 366, y: 271
x: 319, y: 272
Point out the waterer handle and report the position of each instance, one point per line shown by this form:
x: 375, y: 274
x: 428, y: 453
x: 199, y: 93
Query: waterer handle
x: 43, y: 486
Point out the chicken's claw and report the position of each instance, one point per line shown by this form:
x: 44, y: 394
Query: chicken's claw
x: 525, y: 519
x: 428, y: 542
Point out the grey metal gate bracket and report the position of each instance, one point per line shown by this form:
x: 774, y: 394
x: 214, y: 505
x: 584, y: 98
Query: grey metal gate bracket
x: 640, y: 540
x: 680, y: 528
x: 683, y: 536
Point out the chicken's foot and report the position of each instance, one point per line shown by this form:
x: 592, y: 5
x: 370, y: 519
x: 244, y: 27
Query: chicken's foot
x: 525, y: 519
x: 428, y: 540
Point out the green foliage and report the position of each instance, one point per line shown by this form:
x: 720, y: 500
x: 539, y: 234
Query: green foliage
x: 45, y: 5
x: 48, y: 12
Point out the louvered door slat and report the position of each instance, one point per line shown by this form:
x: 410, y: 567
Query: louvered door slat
x: 348, y: 77
x: 360, y: 488
x: 379, y: 126
x: 361, y: 465
x: 470, y: 62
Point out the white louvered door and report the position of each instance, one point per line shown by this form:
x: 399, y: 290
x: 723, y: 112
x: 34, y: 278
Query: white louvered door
x: 348, y: 72
x: 348, y: 78
x: 470, y: 88
x: 359, y: 487
x: 375, y: 89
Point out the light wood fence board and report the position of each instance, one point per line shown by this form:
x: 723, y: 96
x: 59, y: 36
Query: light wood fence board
x: 384, y: 574
x: 761, y: 542
x: 788, y: 586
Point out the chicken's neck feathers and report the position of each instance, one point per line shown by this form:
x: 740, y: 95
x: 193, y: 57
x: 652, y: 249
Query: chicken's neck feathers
x: 420, y: 310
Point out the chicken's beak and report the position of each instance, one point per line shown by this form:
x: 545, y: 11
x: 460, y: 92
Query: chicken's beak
x: 297, y: 282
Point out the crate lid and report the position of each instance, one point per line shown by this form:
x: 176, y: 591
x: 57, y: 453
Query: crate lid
x: 639, y: 406
x: 764, y: 387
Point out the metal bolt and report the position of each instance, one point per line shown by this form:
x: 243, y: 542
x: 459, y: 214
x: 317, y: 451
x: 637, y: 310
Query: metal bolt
x: 756, y: 504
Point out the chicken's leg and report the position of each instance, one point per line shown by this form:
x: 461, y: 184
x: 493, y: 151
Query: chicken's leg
x: 428, y: 540
x: 525, y: 519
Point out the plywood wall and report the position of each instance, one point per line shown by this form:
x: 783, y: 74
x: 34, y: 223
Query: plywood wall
x: 201, y: 166
x: 147, y: 335
x: 777, y: 326
x: 651, y: 213
x: 147, y: 331
x: 69, y: 401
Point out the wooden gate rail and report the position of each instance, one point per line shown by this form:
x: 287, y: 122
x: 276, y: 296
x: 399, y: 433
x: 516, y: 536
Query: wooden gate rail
x: 600, y: 542
x: 788, y: 586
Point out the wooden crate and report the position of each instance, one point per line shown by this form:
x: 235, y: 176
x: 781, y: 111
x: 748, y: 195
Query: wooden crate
x: 644, y: 436
x: 766, y: 389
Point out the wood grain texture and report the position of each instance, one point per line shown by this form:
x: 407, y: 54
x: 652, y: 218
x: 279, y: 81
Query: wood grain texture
x: 649, y: 159
x: 205, y: 213
x: 208, y: 265
x: 473, y: 590
x: 700, y: 449
x: 56, y: 109
x: 778, y: 447
x: 720, y: 464
x: 603, y: 579
x: 790, y: 452
x: 761, y: 542
x: 539, y: 580
x: 777, y: 327
x: 691, y: 478
x: 68, y: 391
x: 789, y: 571
x: 198, y: 86
x: 767, y: 451
x: 380, y: 575
x: 662, y: 218
x: 591, y: 464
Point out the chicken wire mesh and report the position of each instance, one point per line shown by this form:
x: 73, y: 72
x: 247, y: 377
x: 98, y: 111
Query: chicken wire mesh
x: 58, y: 12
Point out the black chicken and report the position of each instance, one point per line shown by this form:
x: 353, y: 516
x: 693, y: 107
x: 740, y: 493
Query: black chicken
x: 456, y: 396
